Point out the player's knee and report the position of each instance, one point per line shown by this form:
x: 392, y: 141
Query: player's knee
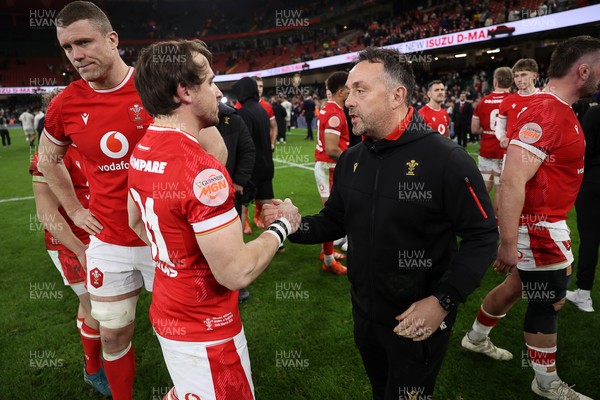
x: 114, y: 314
x: 541, y: 318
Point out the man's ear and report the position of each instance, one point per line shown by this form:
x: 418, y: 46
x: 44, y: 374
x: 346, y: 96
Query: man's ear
x: 113, y: 39
x: 183, y: 94
x: 398, y: 96
x: 583, y: 71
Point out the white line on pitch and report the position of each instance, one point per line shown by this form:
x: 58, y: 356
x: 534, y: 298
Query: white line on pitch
x: 16, y: 199
x: 291, y: 164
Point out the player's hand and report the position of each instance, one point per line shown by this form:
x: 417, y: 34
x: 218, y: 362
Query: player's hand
x: 504, y: 143
x: 84, y: 219
x: 507, y: 259
x: 290, y: 212
x: 421, y: 319
x: 238, y: 188
x: 271, y: 211
x: 280, y: 209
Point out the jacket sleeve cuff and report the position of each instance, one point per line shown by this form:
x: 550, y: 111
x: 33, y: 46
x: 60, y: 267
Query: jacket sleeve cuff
x: 445, y: 289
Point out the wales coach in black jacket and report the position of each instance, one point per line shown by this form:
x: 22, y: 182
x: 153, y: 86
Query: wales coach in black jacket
x: 402, y: 197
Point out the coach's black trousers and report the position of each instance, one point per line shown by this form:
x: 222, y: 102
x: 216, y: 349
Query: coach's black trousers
x: 398, y: 368
x: 461, y: 135
x: 588, y: 224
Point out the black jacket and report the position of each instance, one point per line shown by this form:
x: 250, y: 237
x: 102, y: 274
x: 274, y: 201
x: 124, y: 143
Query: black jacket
x: 402, y: 203
x: 309, y: 108
x: 591, y: 130
x: 240, y: 148
x: 463, y: 118
x: 257, y: 121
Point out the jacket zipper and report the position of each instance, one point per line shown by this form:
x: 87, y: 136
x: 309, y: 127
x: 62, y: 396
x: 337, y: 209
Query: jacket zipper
x: 375, y: 197
x: 468, y: 182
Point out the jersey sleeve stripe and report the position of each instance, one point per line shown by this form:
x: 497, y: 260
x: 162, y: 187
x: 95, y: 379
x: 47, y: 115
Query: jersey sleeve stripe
x: 273, y: 117
x: 475, y: 117
x: 333, y: 131
x: 55, y: 140
x: 532, y: 149
x: 39, y: 179
x: 215, y: 223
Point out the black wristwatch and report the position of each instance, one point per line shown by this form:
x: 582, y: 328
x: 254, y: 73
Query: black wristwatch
x: 446, y: 302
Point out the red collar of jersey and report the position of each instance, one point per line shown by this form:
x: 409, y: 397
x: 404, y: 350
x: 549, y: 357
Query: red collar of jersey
x: 395, y: 135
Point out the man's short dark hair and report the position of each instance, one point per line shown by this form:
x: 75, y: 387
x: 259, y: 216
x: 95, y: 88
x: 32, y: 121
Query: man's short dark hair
x: 436, y: 82
x: 504, y: 77
x: 569, y: 52
x: 162, y: 66
x: 396, y: 69
x: 525, y: 64
x: 79, y: 10
x: 336, y: 81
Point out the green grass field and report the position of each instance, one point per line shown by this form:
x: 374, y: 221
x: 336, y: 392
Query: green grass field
x: 297, y: 321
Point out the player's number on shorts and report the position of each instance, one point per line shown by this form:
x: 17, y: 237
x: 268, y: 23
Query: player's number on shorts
x: 494, y: 119
x: 159, y: 246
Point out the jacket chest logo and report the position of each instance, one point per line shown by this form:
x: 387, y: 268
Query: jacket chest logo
x: 412, y: 165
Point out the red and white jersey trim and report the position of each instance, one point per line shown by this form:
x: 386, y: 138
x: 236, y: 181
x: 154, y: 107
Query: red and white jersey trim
x: 532, y: 149
x: 215, y: 223
x: 55, y: 140
x: 119, y: 86
x: 164, y: 129
x: 333, y: 131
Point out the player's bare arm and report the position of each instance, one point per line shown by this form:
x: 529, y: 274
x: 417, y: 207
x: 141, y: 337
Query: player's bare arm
x: 520, y: 167
x: 50, y: 164
x: 332, y: 147
x: 135, y: 220
x: 500, y: 132
x: 273, y: 132
x: 476, y: 126
x: 212, y: 142
x: 47, y: 206
x: 236, y: 264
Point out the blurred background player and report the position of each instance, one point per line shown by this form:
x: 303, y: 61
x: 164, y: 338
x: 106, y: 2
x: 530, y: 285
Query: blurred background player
x: 38, y: 122
x: 197, y: 237
x: 257, y: 121
x: 4, y: 132
x: 485, y: 117
x: 332, y: 140
x: 542, y: 175
x: 241, y: 155
x: 272, y: 137
x: 66, y: 244
x: 463, y: 112
x: 280, y: 118
x: 26, y: 119
x: 525, y: 74
x: 588, y: 213
x: 288, y: 111
x: 433, y: 113
x: 308, y: 108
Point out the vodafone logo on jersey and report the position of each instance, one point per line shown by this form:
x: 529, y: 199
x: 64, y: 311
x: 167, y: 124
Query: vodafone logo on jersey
x: 211, y: 187
x: 114, y: 144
